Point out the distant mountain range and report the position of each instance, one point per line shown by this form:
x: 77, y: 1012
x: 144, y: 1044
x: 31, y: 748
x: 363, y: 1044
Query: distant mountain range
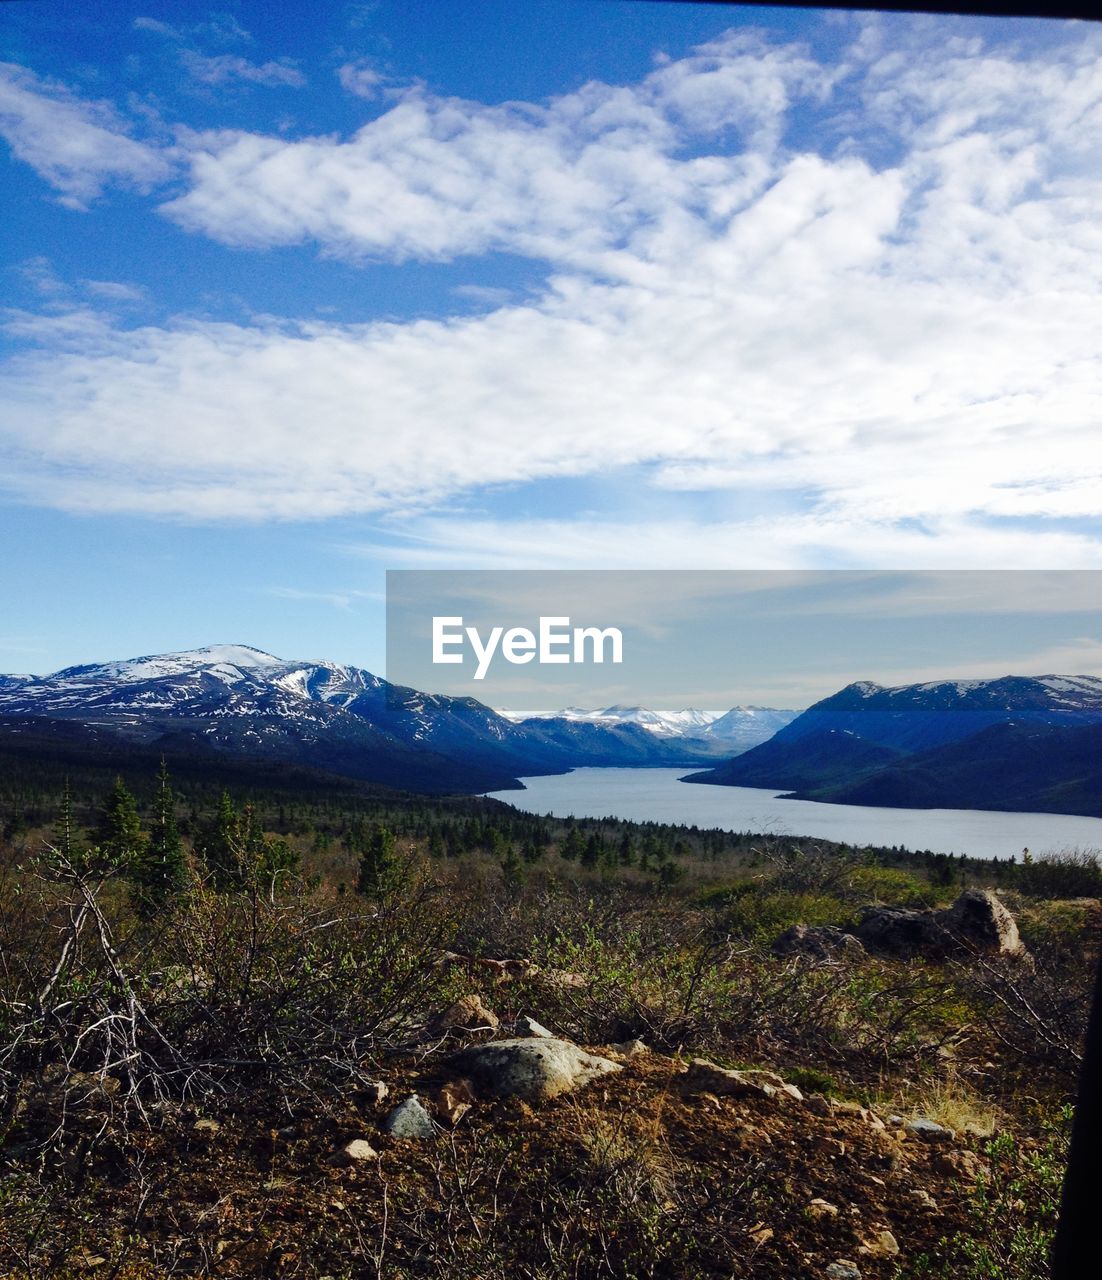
x: 1016, y: 743
x: 736, y: 730
x: 237, y: 700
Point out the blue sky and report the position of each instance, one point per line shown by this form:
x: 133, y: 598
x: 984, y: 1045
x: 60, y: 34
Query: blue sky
x: 295, y: 294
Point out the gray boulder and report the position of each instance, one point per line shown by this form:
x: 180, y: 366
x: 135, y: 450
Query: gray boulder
x: 533, y: 1068
x: 409, y: 1120
x: 977, y: 921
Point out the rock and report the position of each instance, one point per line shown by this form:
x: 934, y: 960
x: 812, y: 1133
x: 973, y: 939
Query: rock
x: 819, y: 1208
x: 859, y: 1112
x: 843, y: 1269
x: 355, y: 1152
x: 818, y: 942
x: 898, y: 931
x: 526, y: 1026
x: 928, y: 1130
x: 453, y: 1100
x: 468, y: 1013
x: 923, y: 1199
x: 374, y: 1092
x: 629, y: 1048
x: 882, y: 1245
x: 532, y: 1068
x: 705, y: 1077
x: 978, y: 917
x: 818, y: 1104
x: 977, y: 921
x: 409, y: 1121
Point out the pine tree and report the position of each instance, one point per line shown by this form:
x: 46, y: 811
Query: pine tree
x: 219, y: 843
x: 66, y: 841
x: 161, y: 872
x: 119, y: 835
x: 573, y: 846
x: 512, y: 869
x: 378, y: 869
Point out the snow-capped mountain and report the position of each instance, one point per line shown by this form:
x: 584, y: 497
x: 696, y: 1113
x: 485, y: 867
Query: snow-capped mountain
x: 238, y: 699
x: 737, y: 729
x: 917, y: 744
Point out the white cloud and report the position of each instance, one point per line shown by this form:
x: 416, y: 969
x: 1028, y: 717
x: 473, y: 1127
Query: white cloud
x: 76, y: 146
x: 909, y: 344
x: 572, y: 181
x: 116, y: 290
x: 224, y: 68
x: 362, y: 78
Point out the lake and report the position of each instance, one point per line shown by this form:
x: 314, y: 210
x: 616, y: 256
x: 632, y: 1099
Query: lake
x: 656, y: 795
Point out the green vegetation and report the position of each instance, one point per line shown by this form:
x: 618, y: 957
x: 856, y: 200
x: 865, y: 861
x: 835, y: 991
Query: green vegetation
x: 181, y: 945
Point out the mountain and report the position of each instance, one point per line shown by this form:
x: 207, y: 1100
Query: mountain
x: 1025, y: 767
x: 706, y: 731
x: 871, y: 744
x: 241, y: 701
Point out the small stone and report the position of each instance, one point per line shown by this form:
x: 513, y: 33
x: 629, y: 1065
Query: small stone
x: 355, y: 1152
x: 453, y: 1100
x: 882, y: 1245
x: 374, y: 1092
x: 819, y: 1208
x: 629, y: 1048
x: 929, y: 1130
x: 843, y: 1269
x: 527, y: 1026
x: 409, y: 1121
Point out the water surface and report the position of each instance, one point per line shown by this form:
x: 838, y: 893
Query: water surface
x: 656, y: 795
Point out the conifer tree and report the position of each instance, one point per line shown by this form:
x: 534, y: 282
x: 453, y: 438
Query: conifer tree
x: 219, y: 845
x: 161, y: 872
x: 378, y: 869
x: 119, y: 835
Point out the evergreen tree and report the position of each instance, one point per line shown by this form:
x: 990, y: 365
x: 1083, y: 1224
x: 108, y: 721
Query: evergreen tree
x: 119, y: 835
x: 378, y: 869
x: 626, y: 851
x: 218, y: 843
x: 512, y: 869
x: 161, y: 872
x: 591, y: 853
x: 66, y: 839
x: 573, y: 846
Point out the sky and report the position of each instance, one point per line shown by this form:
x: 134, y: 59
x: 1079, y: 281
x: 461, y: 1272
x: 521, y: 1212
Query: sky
x: 297, y: 294
x: 713, y: 639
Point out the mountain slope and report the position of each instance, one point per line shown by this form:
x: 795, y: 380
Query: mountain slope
x: 868, y: 744
x: 1039, y: 768
x: 238, y: 700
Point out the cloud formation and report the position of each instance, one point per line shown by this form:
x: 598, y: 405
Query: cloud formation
x: 897, y: 324
x: 77, y: 146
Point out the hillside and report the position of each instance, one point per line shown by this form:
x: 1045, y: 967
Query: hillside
x: 490, y: 1066
x: 1016, y: 743
x: 241, y: 702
